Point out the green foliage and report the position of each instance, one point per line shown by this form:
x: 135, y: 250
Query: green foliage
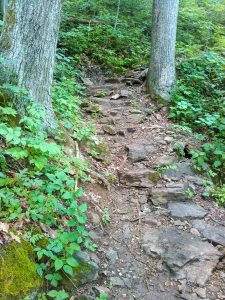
x: 219, y: 194
x: 38, y: 183
x: 198, y: 102
x: 115, y: 49
x: 105, y: 216
x: 102, y: 297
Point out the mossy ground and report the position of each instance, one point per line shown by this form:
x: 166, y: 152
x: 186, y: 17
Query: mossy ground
x: 18, y: 274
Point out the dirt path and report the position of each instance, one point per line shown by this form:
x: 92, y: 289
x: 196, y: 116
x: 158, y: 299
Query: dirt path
x: 154, y: 247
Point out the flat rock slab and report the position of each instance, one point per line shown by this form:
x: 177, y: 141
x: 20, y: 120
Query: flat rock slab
x: 175, y: 192
x: 215, y: 234
x: 165, y: 160
x: 186, y: 210
x: 140, y: 150
x: 140, y: 178
x: 182, y: 169
x: 185, y: 255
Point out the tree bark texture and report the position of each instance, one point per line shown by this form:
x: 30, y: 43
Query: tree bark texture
x: 3, y: 6
x: 162, y: 75
x: 29, y: 40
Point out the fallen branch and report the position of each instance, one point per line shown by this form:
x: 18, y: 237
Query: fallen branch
x: 99, y: 176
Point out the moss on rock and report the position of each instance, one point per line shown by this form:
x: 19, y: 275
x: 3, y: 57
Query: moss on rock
x: 18, y: 274
x: 103, y: 152
x: 154, y: 177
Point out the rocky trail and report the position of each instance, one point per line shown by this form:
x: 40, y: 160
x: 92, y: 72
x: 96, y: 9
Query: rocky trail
x: 164, y: 240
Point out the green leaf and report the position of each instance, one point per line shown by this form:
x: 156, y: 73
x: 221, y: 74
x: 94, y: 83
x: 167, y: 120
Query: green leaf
x: 58, y: 264
x: 82, y: 219
x: 83, y: 207
x: 79, y: 192
x: 53, y: 293
x: 72, y: 262
x: 217, y: 163
x: 67, y: 195
x: 68, y: 270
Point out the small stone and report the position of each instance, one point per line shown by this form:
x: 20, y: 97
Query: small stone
x: 87, y: 81
x: 94, y: 218
x: 116, y: 281
x: 94, y: 235
x: 201, y: 292
x: 102, y: 289
x: 115, y: 97
x: 194, y: 231
x: 112, y: 255
x: 127, y: 282
x: 179, y: 223
x: 109, y: 129
x: 124, y: 93
x: 140, y: 150
x: 168, y: 139
x: 151, y: 220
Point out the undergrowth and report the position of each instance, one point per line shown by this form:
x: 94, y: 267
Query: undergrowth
x: 39, y: 184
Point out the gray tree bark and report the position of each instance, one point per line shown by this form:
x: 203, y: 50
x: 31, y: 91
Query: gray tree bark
x: 3, y: 6
x: 29, y: 40
x: 162, y: 74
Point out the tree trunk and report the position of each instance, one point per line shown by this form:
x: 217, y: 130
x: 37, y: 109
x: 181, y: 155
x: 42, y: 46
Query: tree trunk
x: 29, y: 40
x: 162, y: 75
x: 3, y: 6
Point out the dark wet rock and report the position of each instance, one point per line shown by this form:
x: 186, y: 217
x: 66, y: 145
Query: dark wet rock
x: 182, y: 169
x: 87, y: 271
x: 139, y: 178
x: 117, y: 281
x: 109, y: 129
x: 174, y: 192
x: 186, y: 210
x: 140, y: 150
x: 215, y: 234
x: 185, y: 255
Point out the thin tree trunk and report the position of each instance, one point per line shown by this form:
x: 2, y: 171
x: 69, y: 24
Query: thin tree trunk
x: 162, y: 75
x: 117, y: 15
x: 29, y: 40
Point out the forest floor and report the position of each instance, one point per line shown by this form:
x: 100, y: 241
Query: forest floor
x: 164, y: 240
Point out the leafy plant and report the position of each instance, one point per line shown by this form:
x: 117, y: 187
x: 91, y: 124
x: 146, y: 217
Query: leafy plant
x: 105, y: 216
